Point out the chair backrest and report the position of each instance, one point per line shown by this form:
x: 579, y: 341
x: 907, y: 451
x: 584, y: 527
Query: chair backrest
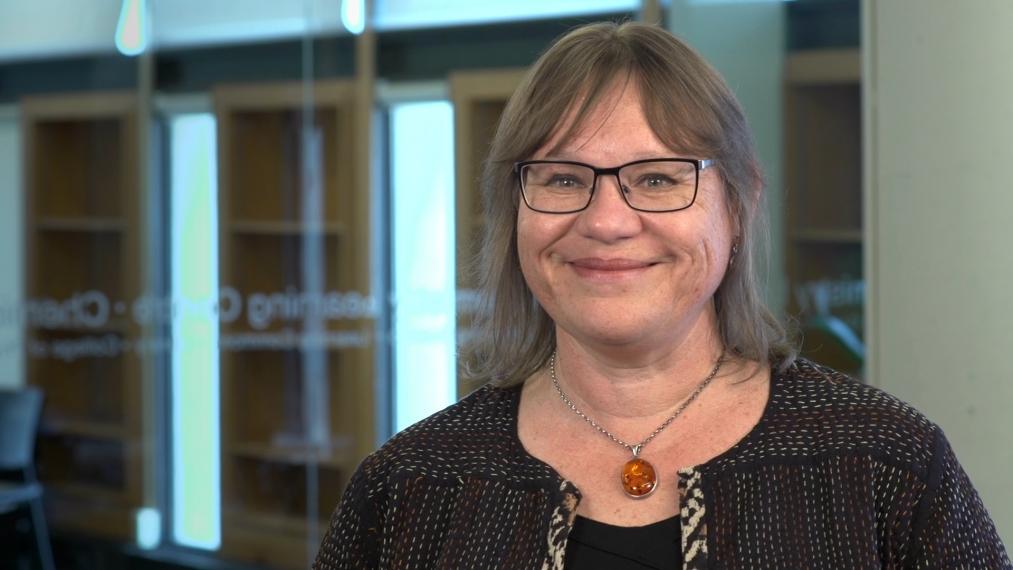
x: 19, y: 420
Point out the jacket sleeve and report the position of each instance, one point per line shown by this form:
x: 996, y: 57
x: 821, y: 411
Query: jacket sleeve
x: 353, y: 535
x: 952, y: 529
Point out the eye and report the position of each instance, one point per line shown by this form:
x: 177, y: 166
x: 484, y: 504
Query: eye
x: 660, y: 176
x: 655, y: 180
x: 558, y: 176
x: 564, y: 181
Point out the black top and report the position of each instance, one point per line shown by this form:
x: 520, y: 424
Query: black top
x: 594, y: 545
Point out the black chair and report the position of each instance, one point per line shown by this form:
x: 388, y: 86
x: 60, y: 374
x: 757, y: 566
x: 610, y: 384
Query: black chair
x: 19, y: 421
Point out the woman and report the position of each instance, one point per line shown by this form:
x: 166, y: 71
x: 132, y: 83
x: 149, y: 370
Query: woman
x: 643, y: 409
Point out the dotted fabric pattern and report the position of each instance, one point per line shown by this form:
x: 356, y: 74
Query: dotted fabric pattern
x: 837, y: 474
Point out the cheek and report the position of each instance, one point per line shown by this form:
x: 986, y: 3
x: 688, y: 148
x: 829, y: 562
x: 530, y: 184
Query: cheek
x: 536, y: 233
x: 720, y: 233
x: 721, y: 221
x: 537, y: 238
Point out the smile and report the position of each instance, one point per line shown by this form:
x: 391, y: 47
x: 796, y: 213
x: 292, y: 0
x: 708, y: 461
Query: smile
x: 609, y: 269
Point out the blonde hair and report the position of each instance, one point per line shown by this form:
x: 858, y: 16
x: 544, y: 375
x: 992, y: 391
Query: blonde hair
x: 692, y: 110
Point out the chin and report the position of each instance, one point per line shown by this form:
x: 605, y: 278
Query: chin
x: 610, y: 332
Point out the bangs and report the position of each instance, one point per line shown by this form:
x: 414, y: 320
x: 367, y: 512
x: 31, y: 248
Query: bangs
x: 566, y: 104
x: 595, y: 102
x: 687, y: 132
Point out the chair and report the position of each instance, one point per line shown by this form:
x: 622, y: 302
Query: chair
x: 19, y: 420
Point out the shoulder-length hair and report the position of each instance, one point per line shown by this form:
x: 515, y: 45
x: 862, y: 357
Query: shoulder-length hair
x: 691, y: 110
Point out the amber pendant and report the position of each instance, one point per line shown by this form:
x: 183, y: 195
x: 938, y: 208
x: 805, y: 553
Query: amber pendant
x: 639, y: 478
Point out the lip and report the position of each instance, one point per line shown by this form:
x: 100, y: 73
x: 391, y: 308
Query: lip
x: 608, y: 268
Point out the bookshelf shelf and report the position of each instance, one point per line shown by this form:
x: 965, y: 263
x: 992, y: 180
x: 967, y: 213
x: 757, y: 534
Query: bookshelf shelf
x: 80, y: 225
x: 826, y: 235
x: 282, y: 229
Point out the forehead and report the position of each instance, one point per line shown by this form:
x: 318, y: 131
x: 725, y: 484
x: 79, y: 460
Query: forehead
x: 613, y: 123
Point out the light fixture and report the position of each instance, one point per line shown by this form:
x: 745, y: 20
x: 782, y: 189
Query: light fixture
x: 132, y: 28
x: 353, y: 15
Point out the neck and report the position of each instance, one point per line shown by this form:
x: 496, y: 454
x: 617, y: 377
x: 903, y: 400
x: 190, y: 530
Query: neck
x: 634, y: 383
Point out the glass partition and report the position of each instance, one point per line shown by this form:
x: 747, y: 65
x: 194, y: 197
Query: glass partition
x: 234, y: 240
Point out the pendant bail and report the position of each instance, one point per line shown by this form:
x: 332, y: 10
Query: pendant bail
x: 635, y: 449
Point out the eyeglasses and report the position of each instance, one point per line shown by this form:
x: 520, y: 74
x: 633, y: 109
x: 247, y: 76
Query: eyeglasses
x: 653, y: 185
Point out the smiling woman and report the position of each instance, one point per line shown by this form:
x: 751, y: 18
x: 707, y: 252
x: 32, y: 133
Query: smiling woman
x: 642, y: 408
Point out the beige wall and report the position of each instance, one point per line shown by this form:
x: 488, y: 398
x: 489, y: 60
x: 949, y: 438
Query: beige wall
x: 939, y: 218
x: 745, y: 41
x: 11, y: 367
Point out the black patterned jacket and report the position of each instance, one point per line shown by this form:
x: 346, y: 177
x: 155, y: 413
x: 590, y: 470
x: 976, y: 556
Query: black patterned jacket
x: 835, y: 475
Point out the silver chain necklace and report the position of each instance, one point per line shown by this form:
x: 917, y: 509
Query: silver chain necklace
x: 638, y: 477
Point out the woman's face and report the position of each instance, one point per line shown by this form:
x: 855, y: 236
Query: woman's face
x: 613, y: 275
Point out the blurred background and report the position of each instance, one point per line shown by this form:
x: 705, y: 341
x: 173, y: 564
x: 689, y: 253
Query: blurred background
x: 234, y: 238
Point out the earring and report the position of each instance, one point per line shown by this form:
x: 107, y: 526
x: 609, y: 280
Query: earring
x: 735, y: 251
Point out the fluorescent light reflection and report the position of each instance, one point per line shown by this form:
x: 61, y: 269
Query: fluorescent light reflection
x: 408, y: 14
x: 132, y: 28
x: 196, y: 483
x: 425, y: 315
x: 148, y: 526
x: 353, y: 15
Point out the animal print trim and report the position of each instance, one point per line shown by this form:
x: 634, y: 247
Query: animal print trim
x: 692, y: 517
x: 559, y: 527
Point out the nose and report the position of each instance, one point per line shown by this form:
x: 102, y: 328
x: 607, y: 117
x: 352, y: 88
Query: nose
x: 608, y: 218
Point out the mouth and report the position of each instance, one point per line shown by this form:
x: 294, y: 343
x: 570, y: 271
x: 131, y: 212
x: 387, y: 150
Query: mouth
x: 609, y: 269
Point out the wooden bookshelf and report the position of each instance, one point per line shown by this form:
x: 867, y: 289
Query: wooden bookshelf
x: 290, y: 223
x: 479, y: 98
x: 82, y: 236
x: 823, y: 169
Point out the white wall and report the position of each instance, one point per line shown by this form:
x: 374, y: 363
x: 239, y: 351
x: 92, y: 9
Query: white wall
x: 11, y: 347
x: 745, y: 41
x: 939, y: 198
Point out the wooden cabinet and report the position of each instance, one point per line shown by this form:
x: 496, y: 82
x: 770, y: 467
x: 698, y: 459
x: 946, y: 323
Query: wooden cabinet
x: 479, y: 98
x: 82, y: 272
x: 296, y: 368
x: 823, y: 152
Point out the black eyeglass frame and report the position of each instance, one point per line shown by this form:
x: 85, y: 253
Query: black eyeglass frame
x: 700, y: 164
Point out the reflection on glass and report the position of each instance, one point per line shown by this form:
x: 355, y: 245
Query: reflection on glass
x: 353, y: 15
x: 195, y: 381
x: 11, y: 247
x: 132, y: 28
x: 399, y: 14
x: 423, y: 226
